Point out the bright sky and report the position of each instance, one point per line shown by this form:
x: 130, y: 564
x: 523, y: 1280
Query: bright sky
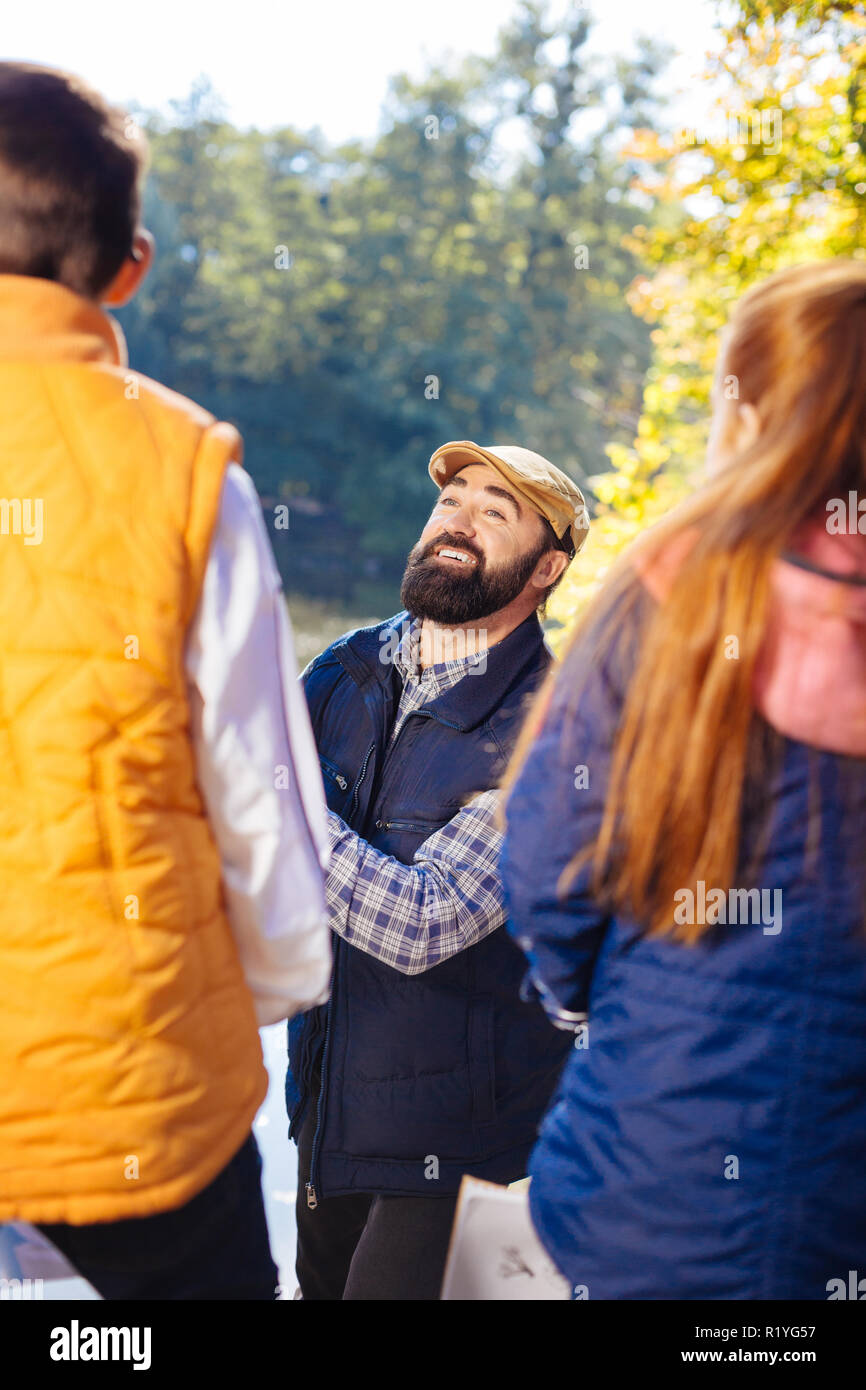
x: 312, y: 63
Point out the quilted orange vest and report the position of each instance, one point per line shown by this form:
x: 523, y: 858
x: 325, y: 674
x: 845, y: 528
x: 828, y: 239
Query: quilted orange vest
x: 130, y: 1061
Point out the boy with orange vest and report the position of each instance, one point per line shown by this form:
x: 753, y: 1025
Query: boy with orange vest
x: 162, y: 825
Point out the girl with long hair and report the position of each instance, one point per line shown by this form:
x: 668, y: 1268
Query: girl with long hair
x: 684, y: 857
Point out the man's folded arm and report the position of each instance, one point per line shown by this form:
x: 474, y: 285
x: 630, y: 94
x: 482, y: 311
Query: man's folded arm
x: 413, y: 916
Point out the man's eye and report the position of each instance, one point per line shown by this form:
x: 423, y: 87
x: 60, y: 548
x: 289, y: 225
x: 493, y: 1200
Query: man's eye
x: 448, y: 499
x: 491, y: 511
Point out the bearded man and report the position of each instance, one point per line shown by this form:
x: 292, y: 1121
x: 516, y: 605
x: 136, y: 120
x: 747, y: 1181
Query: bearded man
x: 428, y: 1061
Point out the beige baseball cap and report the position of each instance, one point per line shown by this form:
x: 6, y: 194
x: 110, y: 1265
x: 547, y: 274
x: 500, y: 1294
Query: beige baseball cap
x: 544, y: 486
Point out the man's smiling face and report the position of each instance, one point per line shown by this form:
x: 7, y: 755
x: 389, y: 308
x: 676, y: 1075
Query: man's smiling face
x: 477, y: 553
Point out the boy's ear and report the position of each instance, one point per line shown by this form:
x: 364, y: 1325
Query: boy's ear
x: 128, y: 279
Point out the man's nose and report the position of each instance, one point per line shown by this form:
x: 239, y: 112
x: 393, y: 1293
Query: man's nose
x: 461, y: 520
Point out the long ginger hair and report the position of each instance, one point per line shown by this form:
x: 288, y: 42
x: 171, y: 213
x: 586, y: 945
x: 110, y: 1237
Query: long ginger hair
x: 684, y: 755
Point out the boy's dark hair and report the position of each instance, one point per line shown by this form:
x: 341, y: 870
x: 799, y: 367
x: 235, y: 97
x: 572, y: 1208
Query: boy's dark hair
x: 71, y: 169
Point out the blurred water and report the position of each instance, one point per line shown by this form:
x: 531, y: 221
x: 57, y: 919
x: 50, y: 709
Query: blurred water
x: 279, y: 1158
x: 279, y: 1176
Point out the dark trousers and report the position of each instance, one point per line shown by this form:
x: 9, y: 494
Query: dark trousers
x: 369, y: 1246
x: 214, y: 1247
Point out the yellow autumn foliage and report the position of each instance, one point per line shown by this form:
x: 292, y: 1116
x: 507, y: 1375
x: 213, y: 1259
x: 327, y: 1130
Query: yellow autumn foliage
x: 778, y: 178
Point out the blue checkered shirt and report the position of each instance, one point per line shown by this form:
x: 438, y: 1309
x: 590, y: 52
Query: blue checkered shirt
x: 412, y: 916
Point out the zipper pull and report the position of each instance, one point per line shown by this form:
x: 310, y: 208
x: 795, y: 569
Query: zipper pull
x: 341, y: 782
x: 312, y: 1200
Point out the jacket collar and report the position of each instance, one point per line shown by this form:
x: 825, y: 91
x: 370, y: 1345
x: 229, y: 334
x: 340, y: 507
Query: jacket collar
x: 364, y: 654
x: 43, y: 321
x: 810, y: 675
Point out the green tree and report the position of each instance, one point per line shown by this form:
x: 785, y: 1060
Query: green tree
x: 463, y: 275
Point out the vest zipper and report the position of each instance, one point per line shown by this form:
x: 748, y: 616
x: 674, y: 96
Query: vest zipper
x: 310, y: 1187
x: 361, y: 775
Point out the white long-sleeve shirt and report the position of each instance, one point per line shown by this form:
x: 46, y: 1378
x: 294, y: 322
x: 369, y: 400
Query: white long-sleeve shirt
x: 256, y: 762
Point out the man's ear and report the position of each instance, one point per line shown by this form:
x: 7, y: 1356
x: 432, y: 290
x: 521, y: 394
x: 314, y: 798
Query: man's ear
x: 549, y: 568
x: 128, y: 279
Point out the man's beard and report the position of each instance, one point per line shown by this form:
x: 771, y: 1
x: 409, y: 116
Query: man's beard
x: 443, y: 594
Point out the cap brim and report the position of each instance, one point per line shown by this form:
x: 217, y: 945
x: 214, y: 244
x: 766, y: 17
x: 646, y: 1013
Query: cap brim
x: 450, y: 458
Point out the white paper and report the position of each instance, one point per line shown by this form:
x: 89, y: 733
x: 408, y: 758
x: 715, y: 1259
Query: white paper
x: 495, y: 1253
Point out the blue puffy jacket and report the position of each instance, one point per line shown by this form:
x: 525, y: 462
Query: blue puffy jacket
x: 708, y: 1136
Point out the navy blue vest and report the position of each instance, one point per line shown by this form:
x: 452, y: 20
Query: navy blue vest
x: 424, y: 1077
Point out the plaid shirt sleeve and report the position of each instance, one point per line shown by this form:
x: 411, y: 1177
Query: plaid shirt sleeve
x: 412, y: 916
